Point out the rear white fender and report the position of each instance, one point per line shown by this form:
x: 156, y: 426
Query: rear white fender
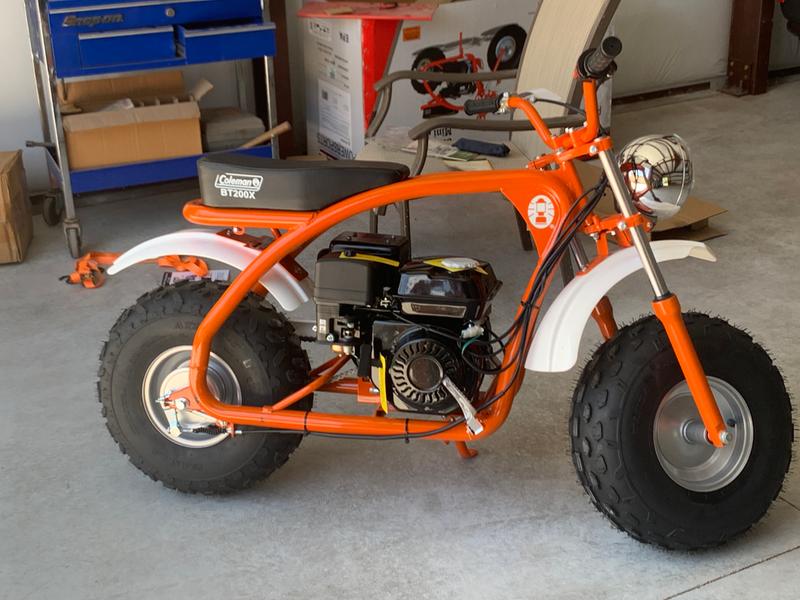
x: 286, y: 290
x: 557, y: 340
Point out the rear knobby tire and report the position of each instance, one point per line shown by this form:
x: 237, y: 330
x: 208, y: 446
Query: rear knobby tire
x: 262, y: 353
x: 616, y: 409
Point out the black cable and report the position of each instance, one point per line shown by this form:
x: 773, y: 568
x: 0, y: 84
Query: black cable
x: 572, y: 107
x: 514, y: 326
x: 565, y: 236
x: 430, y: 328
x: 601, y: 185
x: 550, y: 261
x: 567, y: 105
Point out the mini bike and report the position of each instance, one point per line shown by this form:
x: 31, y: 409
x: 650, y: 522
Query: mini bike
x: 504, y: 52
x: 681, y: 426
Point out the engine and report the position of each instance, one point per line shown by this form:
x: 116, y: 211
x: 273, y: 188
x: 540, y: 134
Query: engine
x: 405, y: 321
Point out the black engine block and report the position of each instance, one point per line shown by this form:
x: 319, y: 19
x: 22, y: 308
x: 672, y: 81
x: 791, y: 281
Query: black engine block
x: 405, y: 320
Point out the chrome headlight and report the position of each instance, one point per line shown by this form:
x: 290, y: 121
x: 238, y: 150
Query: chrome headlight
x: 659, y: 173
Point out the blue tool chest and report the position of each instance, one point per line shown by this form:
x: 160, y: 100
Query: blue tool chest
x: 93, y: 37
x: 73, y: 39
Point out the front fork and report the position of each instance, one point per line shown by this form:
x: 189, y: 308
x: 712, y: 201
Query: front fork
x: 668, y: 310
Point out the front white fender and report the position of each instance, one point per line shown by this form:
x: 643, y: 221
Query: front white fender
x: 288, y: 292
x: 557, y: 340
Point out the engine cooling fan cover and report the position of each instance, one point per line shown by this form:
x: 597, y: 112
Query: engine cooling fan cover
x: 418, y: 367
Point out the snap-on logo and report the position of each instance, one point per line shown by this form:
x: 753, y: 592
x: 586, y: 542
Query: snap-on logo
x: 235, y: 185
x: 91, y: 21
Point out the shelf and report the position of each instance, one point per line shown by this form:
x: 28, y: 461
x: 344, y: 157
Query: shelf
x: 120, y: 176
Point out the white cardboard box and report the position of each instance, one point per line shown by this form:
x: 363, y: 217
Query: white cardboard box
x: 334, y: 90
x: 338, y: 53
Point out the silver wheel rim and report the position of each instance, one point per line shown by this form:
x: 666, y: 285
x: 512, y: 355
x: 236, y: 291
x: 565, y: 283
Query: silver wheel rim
x: 169, y: 371
x: 507, y: 46
x: 685, y: 454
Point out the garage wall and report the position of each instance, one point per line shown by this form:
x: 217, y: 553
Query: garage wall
x: 785, y: 48
x: 19, y: 112
x: 669, y: 43
x: 660, y: 30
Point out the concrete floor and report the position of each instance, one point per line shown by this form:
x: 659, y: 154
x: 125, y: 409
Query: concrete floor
x: 356, y: 519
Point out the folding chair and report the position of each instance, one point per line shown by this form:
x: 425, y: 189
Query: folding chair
x: 562, y: 30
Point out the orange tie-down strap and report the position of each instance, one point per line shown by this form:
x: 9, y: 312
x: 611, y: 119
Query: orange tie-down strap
x: 90, y: 268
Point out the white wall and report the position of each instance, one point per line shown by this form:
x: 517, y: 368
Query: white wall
x: 668, y: 43
x: 19, y: 112
x: 785, y: 48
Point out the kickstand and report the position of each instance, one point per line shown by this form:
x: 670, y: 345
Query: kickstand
x: 465, y: 451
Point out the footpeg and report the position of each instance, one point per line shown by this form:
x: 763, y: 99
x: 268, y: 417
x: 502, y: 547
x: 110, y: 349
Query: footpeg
x: 473, y: 423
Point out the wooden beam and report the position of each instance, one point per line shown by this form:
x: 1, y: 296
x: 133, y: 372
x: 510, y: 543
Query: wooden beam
x: 748, y: 53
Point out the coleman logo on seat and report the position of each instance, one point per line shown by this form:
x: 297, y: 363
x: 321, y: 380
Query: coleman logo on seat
x: 234, y: 185
x: 76, y: 21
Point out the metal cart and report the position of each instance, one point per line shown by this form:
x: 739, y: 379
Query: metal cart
x: 80, y: 39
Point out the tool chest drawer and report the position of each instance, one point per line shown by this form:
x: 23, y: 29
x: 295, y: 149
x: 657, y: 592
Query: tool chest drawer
x: 89, y: 15
x: 233, y: 42
x: 127, y: 46
x: 93, y: 37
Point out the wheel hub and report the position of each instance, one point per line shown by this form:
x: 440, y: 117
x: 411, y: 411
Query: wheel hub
x: 681, y: 442
x: 507, y: 48
x: 168, y: 372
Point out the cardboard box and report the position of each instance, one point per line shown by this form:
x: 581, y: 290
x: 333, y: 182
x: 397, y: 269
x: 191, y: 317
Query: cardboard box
x: 346, y: 54
x: 16, y: 224
x: 228, y: 127
x: 162, y: 83
x: 162, y: 120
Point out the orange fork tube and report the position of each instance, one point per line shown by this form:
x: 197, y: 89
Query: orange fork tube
x: 668, y: 311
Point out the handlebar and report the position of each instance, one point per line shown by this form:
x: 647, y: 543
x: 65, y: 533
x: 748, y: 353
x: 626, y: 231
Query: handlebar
x: 598, y: 63
x: 594, y: 65
x: 482, y: 106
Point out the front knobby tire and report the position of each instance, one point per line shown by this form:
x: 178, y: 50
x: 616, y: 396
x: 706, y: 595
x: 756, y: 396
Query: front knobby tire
x: 256, y: 360
x: 632, y: 452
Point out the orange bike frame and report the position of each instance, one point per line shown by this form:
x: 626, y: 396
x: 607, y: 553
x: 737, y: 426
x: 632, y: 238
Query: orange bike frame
x: 521, y: 187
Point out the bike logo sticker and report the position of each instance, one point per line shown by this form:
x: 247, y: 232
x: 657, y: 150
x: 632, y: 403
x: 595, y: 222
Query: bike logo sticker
x: 234, y: 185
x: 541, y: 212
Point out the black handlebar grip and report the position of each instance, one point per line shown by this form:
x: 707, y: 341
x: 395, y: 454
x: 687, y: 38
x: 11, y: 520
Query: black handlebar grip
x: 482, y: 106
x: 595, y: 64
